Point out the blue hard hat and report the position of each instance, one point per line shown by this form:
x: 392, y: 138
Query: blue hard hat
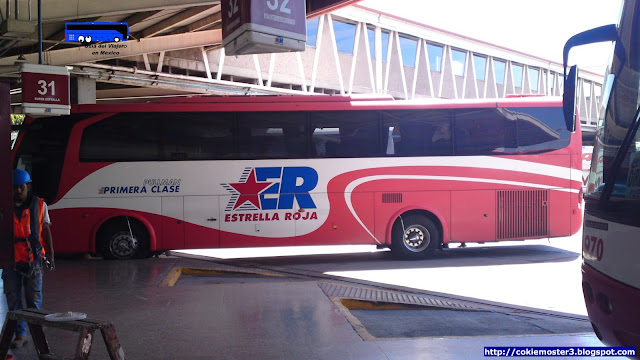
x: 20, y: 177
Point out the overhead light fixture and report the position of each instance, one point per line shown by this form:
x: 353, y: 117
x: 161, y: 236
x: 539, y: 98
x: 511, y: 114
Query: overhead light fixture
x: 20, y: 60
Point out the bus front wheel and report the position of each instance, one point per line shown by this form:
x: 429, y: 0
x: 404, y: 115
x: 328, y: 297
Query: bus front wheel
x: 414, y: 237
x: 116, y: 39
x: 123, y: 238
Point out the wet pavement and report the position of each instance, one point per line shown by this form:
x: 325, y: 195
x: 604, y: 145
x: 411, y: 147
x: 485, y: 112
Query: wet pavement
x: 245, y: 312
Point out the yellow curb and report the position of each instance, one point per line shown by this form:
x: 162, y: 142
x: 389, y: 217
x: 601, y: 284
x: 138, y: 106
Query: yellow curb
x: 354, y: 304
x: 174, y: 274
x: 172, y: 277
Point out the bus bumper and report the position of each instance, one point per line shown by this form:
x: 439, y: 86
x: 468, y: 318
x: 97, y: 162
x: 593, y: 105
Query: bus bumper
x: 612, y: 307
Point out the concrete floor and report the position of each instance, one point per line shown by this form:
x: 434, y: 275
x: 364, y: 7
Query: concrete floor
x: 282, y: 318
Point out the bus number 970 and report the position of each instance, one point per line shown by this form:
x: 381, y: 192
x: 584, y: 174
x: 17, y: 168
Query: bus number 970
x: 593, y: 247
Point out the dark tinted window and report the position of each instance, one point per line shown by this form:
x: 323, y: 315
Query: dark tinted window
x: 197, y: 136
x: 326, y: 134
x: 345, y: 134
x: 267, y: 135
x: 417, y: 133
x: 42, y: 152
x: 123, y: 137
x: 159, y: 136
x: 540, y: 129
x: 483, y: 131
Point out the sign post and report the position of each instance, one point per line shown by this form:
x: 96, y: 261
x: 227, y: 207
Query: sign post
x: 263, y: 26
x: 6, y: 179
x: 45, y: 90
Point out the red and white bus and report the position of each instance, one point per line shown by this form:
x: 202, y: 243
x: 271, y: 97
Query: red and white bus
x: 130, y: 180
x: 611, y: 270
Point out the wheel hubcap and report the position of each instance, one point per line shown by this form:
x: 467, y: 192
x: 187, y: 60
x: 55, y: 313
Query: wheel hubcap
x: 416, y: 238
x: 124, y: 245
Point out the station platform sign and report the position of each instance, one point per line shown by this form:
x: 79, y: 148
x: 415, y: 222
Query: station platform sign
x: 263, y: 26
x: 45, y: 90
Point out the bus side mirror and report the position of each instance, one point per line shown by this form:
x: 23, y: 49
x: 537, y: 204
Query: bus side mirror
x: 569, y: 101
x: 569, y: 98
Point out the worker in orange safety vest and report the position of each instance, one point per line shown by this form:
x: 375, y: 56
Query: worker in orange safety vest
x: 33, y: 247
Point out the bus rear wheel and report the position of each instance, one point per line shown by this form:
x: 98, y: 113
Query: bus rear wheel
x: 116, y: 39
x: 414, y: 237
x: 123, y: 238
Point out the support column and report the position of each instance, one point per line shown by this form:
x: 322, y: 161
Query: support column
x: 83, y: 90
x: 6, y: 179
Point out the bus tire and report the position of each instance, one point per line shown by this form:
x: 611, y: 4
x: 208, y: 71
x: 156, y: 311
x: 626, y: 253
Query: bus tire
x: 87, y: 39
x: 116, y: 39
x: 81, y: 38
x: 414, y: 237
x: 117, y: 241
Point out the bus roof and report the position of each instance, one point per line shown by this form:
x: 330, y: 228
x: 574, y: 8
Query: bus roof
x: 308, y: 103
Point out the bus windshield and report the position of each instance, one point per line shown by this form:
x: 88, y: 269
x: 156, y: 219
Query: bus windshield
x: 621, y: 98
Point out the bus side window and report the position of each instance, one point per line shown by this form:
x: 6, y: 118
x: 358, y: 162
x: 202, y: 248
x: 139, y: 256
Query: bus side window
x: 322, y: 138
x: 295, y: 138
x: 123, y: 137
x: 197, y: 136
x: 393, y: 137
x: 272, y: 135
x: 483, y: 132
x: 346, y: 134
x: 417, y: 132
x: 540, y: 129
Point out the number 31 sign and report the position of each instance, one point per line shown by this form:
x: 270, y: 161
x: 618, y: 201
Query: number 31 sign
x: 45, y: 90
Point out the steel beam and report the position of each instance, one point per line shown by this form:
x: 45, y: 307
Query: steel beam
x: 137, y: 93
x: 59, y: 10
x: 320, y: 7
x: 131, y: 48
x: 201, y: 24
x: 182, y: 18
x: 139, y: 17
x: 191, y: 84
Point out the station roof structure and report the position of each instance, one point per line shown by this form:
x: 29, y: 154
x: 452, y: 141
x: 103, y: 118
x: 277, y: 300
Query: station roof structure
x: 175, y: 49
x: 171, y: 24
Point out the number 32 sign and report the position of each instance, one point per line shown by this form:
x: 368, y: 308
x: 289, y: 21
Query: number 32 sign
x: 263, y: 26
x: 45, y: 90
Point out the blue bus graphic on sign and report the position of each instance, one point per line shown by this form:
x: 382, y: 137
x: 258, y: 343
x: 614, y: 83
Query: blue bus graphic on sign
x: 86, y: 32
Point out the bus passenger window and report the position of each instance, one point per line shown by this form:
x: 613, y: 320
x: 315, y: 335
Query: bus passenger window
x: 345, y: 134
x: 197, y: 136
x: 123, y: 137
x: 418, y: 132
x: 323, y: 136
x: 483, y: 132
x: 277, y: 135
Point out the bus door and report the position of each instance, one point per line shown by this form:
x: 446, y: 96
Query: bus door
x: 202, y: 215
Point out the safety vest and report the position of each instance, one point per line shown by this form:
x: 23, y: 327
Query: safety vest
x: 27, y: 232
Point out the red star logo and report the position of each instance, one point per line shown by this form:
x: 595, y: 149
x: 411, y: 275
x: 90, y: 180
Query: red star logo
x: 250, y: 190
